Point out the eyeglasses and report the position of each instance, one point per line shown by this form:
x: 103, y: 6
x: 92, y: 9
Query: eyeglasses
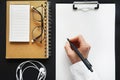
x: 38, y: 31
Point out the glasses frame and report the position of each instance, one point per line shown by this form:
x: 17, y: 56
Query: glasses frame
x: 41, y: 26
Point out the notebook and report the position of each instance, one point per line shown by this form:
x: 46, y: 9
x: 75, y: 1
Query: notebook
x: 98, y: 29
x: 27, y: 30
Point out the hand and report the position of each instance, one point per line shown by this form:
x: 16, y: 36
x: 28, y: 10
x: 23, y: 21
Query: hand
x: 82, y: 46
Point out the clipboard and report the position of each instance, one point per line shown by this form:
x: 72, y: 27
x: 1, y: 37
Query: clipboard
x: 97, y: 25
x: 19, y: 50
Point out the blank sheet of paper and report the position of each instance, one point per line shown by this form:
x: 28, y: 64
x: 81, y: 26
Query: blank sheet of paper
x: 19, y: 19
x: 98, y: 29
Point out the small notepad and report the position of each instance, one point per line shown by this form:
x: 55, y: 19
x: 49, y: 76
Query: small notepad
x: 19, y: 28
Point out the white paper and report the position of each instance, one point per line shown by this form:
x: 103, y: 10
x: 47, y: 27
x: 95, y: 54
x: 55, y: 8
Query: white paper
x: 19, y: 29
x: 98, y: 29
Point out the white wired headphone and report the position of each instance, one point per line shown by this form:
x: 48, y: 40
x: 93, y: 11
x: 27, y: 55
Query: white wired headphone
x: 32, y: 64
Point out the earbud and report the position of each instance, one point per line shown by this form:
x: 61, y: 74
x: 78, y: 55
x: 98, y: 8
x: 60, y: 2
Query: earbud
x: 42, y: 70
x: 42, y: 73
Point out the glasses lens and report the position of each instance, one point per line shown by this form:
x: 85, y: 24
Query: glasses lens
x: 37, y: 13
x: 38, y: 34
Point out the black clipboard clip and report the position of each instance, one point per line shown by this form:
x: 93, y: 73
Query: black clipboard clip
x: 85, y: 5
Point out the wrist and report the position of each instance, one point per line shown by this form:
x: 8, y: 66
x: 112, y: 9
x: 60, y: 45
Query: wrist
x: 75, y: 61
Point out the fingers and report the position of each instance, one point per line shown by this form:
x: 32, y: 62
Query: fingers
x: 68, y: 48
x: 71, y: 54
x: 79, y: 39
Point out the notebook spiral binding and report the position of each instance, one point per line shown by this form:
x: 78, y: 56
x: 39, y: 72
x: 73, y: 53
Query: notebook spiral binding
x: 49, y: 27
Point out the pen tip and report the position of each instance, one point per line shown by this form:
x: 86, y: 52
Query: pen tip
x: 91, y: 70
x: 68, y: 39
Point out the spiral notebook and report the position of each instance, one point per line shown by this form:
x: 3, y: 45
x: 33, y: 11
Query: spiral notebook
x: 97, y: 27
x: 27, y: 29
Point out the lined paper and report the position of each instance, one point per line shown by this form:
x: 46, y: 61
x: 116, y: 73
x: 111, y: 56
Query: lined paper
x: 19, y: 23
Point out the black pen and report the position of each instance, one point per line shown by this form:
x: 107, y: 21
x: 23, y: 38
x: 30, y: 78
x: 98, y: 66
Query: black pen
x: 85, y: 61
